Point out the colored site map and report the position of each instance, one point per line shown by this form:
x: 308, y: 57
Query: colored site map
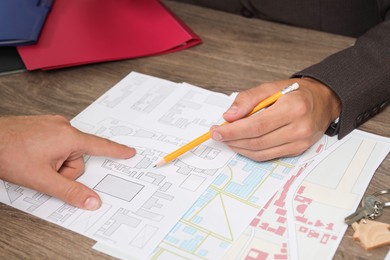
x: 291, y: 208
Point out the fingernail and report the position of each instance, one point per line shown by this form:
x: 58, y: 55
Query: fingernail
x: 216, y: 136
x: 91, y: 203
x: 232, y: 110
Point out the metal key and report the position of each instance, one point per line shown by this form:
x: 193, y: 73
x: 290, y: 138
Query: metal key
x: 374, y: 202
x: 370, y: 210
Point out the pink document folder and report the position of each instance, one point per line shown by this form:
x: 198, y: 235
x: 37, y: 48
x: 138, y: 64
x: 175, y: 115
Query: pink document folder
x: 79, y: 32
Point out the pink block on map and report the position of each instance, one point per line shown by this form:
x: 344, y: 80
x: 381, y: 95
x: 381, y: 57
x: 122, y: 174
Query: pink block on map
x: 319, y: 148
x: 254, y: 222
x: 330, y: 226
x: 261, y: 212
x: 277, y: 256
x: 314, y: 234
x: 255, y: 254
x: 303, y: 199
x: 281, y: 220
x: 319, y: 224
x: 301, y: 208
x: 269, y: 202
x: 300, y: 219
x: 264, y: 226
x: 280, y: 202
x: 278, y: 231
x: 325, y: 239
x: 281, y: 211
x: 303, y: 229
x: 301, y: 189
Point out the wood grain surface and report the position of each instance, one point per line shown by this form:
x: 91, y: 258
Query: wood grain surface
x: 237, y: 53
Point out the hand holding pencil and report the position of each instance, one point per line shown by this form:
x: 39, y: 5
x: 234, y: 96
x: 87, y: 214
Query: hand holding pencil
x: 263, y: 104
x: 287, y: 128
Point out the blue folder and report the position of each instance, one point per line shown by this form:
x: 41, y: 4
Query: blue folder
x: 21, y: 21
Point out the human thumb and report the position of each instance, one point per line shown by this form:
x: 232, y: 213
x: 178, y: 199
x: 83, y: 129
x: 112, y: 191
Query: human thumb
x: 242, y: 105
x: 71, y: 192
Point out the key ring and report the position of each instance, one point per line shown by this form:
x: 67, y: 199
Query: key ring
x: 383, y: 192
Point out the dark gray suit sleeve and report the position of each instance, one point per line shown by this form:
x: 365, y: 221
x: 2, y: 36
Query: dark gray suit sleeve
x: 359, y: 75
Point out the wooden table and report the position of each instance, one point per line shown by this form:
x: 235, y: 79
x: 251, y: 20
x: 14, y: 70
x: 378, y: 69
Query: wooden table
x: 237, y: 53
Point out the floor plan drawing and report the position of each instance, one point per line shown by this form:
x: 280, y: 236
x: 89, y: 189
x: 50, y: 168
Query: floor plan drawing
x: 13, y: 191
x: 30, y: 199
x: 141, y: 204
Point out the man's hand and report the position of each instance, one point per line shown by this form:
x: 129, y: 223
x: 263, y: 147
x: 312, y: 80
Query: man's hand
x: 45, y: 153
x: 287, y: 128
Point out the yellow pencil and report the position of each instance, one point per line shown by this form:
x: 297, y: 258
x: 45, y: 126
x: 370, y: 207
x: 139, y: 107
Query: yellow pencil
x: 263, y: 104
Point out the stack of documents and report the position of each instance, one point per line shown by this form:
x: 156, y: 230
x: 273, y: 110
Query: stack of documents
x: 81, y: 32
x: 209, y: 203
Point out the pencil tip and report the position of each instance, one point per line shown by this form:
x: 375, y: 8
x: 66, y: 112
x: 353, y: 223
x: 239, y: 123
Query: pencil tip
x: 160, y: 163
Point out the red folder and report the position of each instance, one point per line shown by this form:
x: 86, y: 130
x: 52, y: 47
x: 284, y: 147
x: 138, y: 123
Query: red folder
x: 78, y: 32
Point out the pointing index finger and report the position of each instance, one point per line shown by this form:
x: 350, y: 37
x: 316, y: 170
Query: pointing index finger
x: 95, y: 145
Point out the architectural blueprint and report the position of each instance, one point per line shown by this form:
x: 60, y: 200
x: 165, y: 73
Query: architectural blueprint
x: 141, y: 204
x: 240, y: 216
